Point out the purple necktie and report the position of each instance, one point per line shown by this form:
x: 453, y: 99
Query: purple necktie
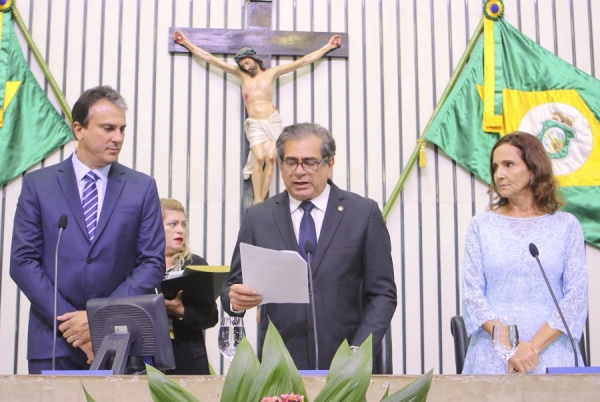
x: 307, y: 229
x: 90, y: 203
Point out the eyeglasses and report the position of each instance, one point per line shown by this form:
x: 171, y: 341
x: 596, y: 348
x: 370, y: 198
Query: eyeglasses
x: 309, y: 165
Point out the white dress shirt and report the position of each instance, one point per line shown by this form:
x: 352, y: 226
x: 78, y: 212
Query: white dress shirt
x: 318, y: 212
x: 81, y: 170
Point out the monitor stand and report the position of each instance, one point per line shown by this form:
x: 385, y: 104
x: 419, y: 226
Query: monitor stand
x: 114, y: 347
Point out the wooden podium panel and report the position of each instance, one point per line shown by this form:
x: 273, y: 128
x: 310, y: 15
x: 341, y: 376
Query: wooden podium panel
x: 513, y: 388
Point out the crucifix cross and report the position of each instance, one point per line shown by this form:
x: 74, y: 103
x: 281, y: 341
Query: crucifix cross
x: 264, y: 40
x: 260, y: 36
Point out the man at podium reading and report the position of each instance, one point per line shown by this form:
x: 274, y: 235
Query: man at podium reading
x: 113, y: 244
x: 353, y: 276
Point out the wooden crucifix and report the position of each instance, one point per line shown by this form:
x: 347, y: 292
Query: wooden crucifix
x: 263, y: 125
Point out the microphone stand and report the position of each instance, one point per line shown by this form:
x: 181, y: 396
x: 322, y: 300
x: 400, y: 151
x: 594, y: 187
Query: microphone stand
x: 312, y: 302
x: 534, y: 252
x: 60, y: 230
x: 62, y: 224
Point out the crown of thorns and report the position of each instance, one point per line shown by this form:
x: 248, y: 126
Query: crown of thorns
x: 244, y: 53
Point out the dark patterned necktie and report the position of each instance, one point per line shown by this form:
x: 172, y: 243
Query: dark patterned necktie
x: 90, y: 203
x: 307, y: 229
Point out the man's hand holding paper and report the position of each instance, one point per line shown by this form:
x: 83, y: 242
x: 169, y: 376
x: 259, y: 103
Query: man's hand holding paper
x: 243, y: 298
x: 270, y: 276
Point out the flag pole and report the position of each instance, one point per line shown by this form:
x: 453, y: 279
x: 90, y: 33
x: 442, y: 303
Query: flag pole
x: 42, y: 63
x: 421, y: 141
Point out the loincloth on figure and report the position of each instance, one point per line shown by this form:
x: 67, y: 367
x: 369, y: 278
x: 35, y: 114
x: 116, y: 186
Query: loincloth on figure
x: 261, y: 132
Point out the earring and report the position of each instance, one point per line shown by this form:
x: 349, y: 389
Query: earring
x: 531, y: 180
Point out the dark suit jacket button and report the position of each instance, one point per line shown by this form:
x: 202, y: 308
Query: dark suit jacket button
x: 89, y: 261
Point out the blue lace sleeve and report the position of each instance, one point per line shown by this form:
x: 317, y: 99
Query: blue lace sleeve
x: 476, y: 309
x: 574, y: 304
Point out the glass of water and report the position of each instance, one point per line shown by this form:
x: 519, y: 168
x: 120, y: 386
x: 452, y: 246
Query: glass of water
x: 231, y: 333
x: 505, y: 337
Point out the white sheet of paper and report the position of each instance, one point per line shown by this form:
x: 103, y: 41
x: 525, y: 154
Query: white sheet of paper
x: 278, y: 276
x: 174, y: 274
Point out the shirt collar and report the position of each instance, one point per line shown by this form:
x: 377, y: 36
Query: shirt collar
x: 81, y: 170
x: 320, y: 201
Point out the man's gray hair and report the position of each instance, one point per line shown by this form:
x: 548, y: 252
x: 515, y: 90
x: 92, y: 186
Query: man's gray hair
x: 300, y: 131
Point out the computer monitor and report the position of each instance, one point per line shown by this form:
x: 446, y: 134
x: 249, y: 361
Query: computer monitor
x: 134, y: 326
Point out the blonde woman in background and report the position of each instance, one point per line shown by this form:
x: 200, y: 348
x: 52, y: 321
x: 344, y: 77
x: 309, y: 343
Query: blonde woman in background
x: 187, y: 323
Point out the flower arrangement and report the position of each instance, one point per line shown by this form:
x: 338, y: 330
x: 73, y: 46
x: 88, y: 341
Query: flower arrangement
x: 284, y: 398
x: 250, y: 380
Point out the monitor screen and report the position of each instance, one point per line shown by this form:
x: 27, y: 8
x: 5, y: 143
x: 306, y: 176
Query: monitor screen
x: 134, y: 326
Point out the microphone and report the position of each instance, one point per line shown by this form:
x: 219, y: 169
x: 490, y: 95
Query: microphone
x: 63, y: 221
x: 308, y: 248
x: 62, y: 224
x: 535, y: 253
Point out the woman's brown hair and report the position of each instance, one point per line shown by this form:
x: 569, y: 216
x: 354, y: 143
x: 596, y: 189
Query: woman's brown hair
x: 544, y: 185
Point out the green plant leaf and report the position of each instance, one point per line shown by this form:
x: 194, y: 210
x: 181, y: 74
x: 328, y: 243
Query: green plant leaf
x: 416, y: 391
x: 278, y: 374
x: 350, y: 382
x: 88, y: 398
x: 241, y: 373
x: 387, y: 391
x: 342, y: 356
x: 162, y: 389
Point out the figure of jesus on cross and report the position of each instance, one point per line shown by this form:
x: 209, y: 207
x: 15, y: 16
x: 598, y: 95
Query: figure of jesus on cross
x: 263, y: 125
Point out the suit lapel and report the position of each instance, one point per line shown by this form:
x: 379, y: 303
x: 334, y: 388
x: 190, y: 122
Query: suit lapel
x: 283, y: 220
x: 68, y: 184
x: 116, y: 181
x: 336, y: 207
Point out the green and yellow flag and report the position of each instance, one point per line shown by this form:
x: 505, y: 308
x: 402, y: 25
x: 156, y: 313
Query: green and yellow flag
x: 30, y: 127
x: 511, y: 83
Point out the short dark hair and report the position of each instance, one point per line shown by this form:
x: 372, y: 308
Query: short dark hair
x: 544, y: 185
x: 81, y: 109
x: 300, y: 131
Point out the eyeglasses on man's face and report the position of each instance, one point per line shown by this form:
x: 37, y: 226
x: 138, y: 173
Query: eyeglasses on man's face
x: 310, y: 165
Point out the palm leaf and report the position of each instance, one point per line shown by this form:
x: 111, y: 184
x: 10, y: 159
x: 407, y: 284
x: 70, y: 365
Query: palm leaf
x: 88, y: 397
x: 416, y: 391
x: 350, y: 382
x: 342, y: 356
x: 277, y: 374
x: 163, y: 389
x: 387, y: 391
x: 241, y: 374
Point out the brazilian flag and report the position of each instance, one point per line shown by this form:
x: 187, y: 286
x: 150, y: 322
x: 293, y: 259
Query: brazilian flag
x: 511, y: 83
x: 30, y: 127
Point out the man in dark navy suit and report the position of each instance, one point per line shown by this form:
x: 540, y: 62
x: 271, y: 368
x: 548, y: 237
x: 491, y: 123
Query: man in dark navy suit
x: 114, y: 242
x: 353, y: 275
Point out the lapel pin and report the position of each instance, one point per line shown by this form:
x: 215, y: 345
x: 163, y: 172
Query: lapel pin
x: 340, y: 208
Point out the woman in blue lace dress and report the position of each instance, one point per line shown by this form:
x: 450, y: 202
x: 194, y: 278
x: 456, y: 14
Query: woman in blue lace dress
x: 501, y: 278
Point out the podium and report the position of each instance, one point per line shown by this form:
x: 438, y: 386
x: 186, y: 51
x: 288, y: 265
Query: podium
x: 573, y: 370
